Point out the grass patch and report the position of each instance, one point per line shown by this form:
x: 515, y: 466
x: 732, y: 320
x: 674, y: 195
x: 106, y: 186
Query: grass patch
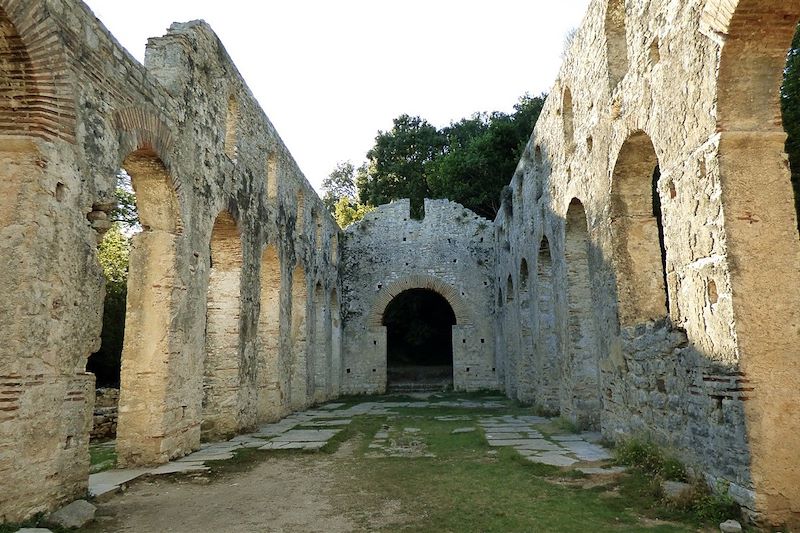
x: 102, y: 457
x: 243, y: 460
x: 649, y: 458
x: 469, y: 486
x: 642, y: 486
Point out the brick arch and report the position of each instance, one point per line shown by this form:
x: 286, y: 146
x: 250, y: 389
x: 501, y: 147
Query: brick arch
x: 144, y: 129
x: 758, y: 34
x: 38, y: 98
x: 419, y: 281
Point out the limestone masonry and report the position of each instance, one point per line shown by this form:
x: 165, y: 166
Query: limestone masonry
x: 642, y: 277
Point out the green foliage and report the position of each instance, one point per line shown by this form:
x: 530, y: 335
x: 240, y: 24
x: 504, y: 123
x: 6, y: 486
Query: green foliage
x: 102, y: 457
x: 650, y: 466
x: 790, y: 106
x: 648, y: 457
x: 347, y: 211
x: 113, y: 253
x: 707, y: 506
x: 125, y: 214
x: 339, y: 185
x: 398, y: 163
x: 468, y: 161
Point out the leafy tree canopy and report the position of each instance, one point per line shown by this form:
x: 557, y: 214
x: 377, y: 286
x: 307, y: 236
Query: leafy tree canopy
x: 347, y: 211
x: 790, y: 105
x: 468, y: 161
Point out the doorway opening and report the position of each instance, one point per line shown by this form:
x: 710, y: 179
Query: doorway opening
x: 419, y: 349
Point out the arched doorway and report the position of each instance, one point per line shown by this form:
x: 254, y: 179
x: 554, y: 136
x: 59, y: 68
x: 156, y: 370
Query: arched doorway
x: 419, y: 348
x: 762, y: 247
x: 580, y: 388
x: 149, y: 335
x: 221, y: 380
x: 638, y: 238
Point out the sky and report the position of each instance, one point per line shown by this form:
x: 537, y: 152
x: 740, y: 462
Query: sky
x: 331, y: 73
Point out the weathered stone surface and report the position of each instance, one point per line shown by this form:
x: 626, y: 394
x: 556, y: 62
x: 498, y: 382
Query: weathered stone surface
x: 641, y: 276
x: 449, y: 251
x: 76, y: 514
x: 730, y: 526
x: 674, y: 490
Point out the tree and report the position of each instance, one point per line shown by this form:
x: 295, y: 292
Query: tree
x: 341, y: 183
x: 790, y: 106
x: 398, y: 163
x: 113, y: 253
x: 469, y: 161
x: 347, y: 211
x: 125, y: 213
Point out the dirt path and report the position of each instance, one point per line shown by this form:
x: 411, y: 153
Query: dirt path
x: 285, y: 494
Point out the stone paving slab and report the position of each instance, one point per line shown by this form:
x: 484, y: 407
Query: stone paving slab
x: 554, y: 459
x: 306, y: 435
x: 458, y: 431
x: 199, y: 456
x: 586, y: 451
x: 179, y: 467
x: 494, y: 435
x: 110, y: 480
x: 508, y: 442
x: 593, y: 470
x: 329, y: 423
x: 566, y: 438
x: 540, y: 445
x: 332, y: 406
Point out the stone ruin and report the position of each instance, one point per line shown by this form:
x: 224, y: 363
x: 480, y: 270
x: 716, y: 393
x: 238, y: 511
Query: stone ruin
x: 642, y: 277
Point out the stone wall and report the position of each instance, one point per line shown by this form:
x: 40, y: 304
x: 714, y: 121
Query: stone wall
x: 216, y: 188
x: 642, y: 277
x: 674, y: 319
x: 449, y: 251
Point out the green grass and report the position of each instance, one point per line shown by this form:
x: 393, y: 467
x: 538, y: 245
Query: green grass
x: 465, y: 488
x: 102, y: 457
x: 468, y: 486
x: 650, y: 465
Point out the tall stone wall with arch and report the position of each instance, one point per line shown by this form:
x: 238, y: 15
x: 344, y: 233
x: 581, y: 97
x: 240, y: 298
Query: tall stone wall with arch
x: 449, y: 251
x: 664, y: 125
x: 209, y: 346
x: 642, y: 276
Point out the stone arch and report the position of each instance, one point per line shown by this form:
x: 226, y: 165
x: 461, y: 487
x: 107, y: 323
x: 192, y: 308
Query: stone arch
x: 271, y: 394
x: 509, y: 289
x: 222, y: 366
x: 758, y: 36
x: 336, y: 342
x: 36, y: 98
x: 300, y: 372
x: 317, y: 230
x: 580, y: 383
x: 548, y: 354
x: 568, y: 118
x: 616, y: 42
x: 143, y: 128
x: 322, y: 344
x: 150, y: 337
x: 232, y: 127
x: 763, y: 250
x: 419, y: 281
x: 525, y: 366
x: 523, y: 276
x: 272, y: 175
x: 300, y: 212
x: 637, y: 238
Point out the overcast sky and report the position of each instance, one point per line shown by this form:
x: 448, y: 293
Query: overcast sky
x: 330, y: 74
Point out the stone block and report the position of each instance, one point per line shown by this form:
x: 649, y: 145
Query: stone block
x: 76, y: 514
